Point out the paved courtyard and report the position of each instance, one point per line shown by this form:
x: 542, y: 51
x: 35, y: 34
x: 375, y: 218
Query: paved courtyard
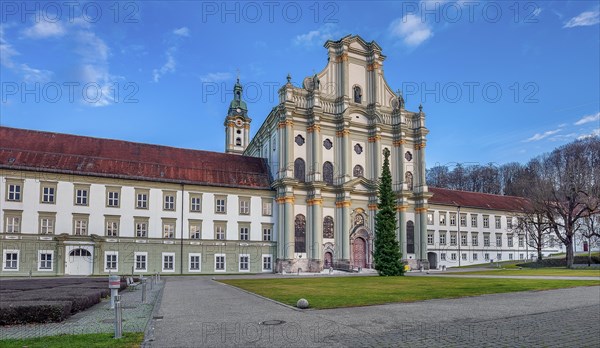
x: 197, y: 311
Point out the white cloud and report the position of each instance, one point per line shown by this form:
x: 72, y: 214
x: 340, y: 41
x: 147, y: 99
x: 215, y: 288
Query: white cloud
x: 411, y: 29
x: 216, y: 77
x: 183, y: 31
x: 588, y: 119
x: 583, y: 19
x: 44, y: 29
x: 6, y: 51
x: 29, y: 74
x: 537, y: 11
x: 316, y: 37
x: 168, y: 67
x: 35, y: 75
x: 594, y: 133
x: 540, y: 136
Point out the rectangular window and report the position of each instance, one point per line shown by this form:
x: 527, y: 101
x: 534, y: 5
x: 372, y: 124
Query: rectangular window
x: 244, y: 206
x: 430, y: 238
x: 80, y: 225
x: 474, y: 239
x: 168, y: 264
x: 430, y: 218
x: 220, y: 205
x: 443, y: 256
x: 498, y: 256
x: 45, y: 260
x: 475, y: 256
x: 112, y: 228
x: 47, y: 224
x: 510, y: 256
x: 521, y: 256
x: 452, y: 238
x: 498, y: 222
x: 111, y: 261
x: 486, y: 256
x: 453, y: 256
x: 452, y: 219
x: 509, y: 241
x: 463, y: 256
x: 194, y: 263
x: 141, y: 229
x: 521, y: 241
x: 463, y: 239
x: 141, y: 259
x: 14, y: 190
x: 442, y: 238
x: 244, y: 233
x: 169, y: 201
x: 112, y: 198
x: 13, y: 222
x: 267, y: 263
x: 509, y: 223
x: 11, y: 260
x: 81, y: 195
x: 473, y: 220
x: 219, y: 262
x: 486, y: 222
x: 443, y: 218
x: 498, y: 240
x: 463, y: 220
x: 195, y: 230
x: 486, y: 240
x: 141, y: 200
x: 48, y: 193
x: 267, y: 207
x: 244, y: 263
x: 168, y: 230
x: 195, y: 203
x: 219, y: 232
x: 267, y: 234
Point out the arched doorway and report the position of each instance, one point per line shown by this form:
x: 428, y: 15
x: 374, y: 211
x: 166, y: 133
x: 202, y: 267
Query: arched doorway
x: 79, y: 261
x: 328, y: 260
x: 359, y: 252
x: 432, y: 258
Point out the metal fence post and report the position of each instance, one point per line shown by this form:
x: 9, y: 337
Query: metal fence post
x: 118, y: 317
x: 143, y: 290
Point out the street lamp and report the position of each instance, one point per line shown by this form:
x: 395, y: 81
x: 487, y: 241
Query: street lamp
x: 459, y: 237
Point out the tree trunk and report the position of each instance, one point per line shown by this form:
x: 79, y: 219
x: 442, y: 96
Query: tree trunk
x: 540, y: 254
x: 589, y: 251
x: 569, y: 248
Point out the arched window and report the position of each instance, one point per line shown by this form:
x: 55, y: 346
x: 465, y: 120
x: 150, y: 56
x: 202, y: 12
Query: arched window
x: 300, y: 234
x: 357, y: 94
x: 358, y: 171
x: 408, y: 178
x: 299, y: 169
x: 328, y: 173
x: 410, y: 237
x: 328, y: 227
x: 238, y: 142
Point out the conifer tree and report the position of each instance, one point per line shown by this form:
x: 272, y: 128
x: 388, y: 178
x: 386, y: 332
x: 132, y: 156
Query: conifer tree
x: 387, y: 256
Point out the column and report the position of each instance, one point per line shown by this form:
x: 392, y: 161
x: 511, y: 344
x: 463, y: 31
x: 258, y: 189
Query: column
x: 317, y: 229
x: 289, y: 132
x: 289, y: 227
x: 402, y: 229
x: 423, y: 232
x: 345, y: 227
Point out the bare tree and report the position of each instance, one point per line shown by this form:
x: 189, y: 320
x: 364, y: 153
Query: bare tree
x: 534, y: 226
x: 590, y: 229
x: 566, y: 189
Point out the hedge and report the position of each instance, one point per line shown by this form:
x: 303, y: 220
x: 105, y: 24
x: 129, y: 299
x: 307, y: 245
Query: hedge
x: 22, y: 312
x: 559, y: 262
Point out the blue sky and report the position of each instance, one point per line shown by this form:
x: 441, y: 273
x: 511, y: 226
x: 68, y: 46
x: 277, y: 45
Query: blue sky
x: 499, y: 81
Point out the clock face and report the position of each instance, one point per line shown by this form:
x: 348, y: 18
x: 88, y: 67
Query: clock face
x: 238, y: 110
x: 238, y: 122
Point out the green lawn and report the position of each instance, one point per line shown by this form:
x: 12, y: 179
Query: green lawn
x: 337, y: 292
x: 546, y: 271
x: 129, y: 340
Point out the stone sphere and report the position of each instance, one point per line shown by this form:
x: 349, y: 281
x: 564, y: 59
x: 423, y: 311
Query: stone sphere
x: 302, y: 303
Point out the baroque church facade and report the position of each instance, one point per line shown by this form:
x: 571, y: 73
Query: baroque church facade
x: 324, y: 143
x: 301, y: 195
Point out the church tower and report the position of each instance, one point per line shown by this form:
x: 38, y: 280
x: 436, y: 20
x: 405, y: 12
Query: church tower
x: 237, y: 123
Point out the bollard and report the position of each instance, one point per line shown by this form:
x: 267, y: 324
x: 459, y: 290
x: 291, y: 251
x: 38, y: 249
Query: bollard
x: 118, y: 317
x: 114, y: 283
x: 158, y: 277
x: 143, y: 280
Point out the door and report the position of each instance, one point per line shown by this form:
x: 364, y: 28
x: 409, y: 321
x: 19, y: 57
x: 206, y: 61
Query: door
x: 328, y: 260
x: 359, y: 252
x: 432, y: 258
x: 79, y: 262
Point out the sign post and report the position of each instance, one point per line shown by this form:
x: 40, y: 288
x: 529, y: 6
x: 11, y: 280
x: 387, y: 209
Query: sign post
x: 114, y: 284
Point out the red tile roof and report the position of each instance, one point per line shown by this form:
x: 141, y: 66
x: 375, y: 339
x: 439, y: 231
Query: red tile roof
x: 63, y: 153
x: 477, y: 200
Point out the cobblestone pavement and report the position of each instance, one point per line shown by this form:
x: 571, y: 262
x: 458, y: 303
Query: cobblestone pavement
x: 98, y: 318
x: 199, y: 312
